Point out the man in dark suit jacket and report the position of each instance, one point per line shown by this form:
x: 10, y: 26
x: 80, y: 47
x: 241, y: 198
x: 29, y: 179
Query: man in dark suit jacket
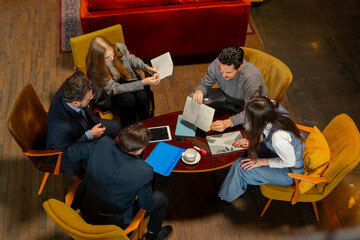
x: 114, y: 177
x: 70, y: 120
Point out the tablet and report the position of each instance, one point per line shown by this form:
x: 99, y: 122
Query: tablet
x: 159, y: 134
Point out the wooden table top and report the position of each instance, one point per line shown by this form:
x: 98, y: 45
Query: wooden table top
x: 208, y: 162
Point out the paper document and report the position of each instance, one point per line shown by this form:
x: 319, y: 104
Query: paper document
x: 163, y: 64
x: 198, y: 114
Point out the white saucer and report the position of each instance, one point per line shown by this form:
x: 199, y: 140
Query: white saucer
x: 197, y: 159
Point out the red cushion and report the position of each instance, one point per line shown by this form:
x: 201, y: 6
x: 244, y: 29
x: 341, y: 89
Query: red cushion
x: 192, y: 1
x: 96, y: 5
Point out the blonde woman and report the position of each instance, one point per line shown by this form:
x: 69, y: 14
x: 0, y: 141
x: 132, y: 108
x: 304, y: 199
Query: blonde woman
x: 117, y: 86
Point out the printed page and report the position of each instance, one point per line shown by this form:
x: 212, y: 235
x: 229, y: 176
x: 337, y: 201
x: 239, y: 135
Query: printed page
x: 163, y: 64
x: 191, y: 109
x: 205, y: 117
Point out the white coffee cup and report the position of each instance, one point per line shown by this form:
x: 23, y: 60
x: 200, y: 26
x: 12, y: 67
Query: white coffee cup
x: 189, y: 155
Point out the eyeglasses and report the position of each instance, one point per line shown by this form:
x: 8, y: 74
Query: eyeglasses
x: 109, y: 56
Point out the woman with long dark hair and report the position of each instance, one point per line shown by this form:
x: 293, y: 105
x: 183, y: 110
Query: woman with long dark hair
x: 274, y: 145
x: 111, y: 67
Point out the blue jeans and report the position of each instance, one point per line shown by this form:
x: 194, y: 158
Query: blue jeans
x: 237, y: 179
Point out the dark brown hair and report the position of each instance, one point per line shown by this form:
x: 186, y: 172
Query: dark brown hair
x: 232, y: 55
x: 96, y: 69
x: 133, y: 137
x: 76, y: 87
x: 260, y: 111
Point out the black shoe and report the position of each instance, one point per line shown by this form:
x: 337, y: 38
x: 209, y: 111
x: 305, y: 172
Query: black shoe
x: 216, y: 201
x: 252, y: 188
x: 165, y: 233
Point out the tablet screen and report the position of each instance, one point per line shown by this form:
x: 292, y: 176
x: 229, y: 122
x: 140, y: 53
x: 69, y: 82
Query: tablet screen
x: 161, y: 133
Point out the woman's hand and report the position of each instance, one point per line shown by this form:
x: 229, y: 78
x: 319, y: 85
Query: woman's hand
x: 151, y: 80
x: 198, y: 96
x: 151, y: 70
x: 251, y: 163
x: 241, y: 143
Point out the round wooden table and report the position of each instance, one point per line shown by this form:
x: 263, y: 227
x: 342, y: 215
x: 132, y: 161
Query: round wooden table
x: 208, y: 162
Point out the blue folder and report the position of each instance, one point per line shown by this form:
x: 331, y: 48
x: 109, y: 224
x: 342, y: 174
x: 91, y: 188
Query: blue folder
x: 184, y: 128
x: 164, y: 157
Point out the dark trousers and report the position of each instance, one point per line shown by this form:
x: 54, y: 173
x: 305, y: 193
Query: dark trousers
x: 156, y: 213
x: 219, y: 100
x: 112, y: 127
x: 131, y: 104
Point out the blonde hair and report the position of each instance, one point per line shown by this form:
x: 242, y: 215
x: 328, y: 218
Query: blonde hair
x: 95, y: 62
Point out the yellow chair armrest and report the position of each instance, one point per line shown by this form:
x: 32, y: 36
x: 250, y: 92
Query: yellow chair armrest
x: 304, y: 128
x: 298, y: 177
x: 42, y: 153
x: 315, y: 180
x: 136, y: 223
x: 71, y: 194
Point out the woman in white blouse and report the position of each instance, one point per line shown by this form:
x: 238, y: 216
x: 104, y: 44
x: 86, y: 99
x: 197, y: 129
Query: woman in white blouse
x: 274, y: 146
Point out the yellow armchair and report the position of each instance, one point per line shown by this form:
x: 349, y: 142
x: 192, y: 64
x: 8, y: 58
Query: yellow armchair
x: 343, y: 139
x: 277, y: 75
x: 80, y: 45
x: 72, y: 223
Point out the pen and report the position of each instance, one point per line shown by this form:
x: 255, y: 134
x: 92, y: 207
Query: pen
x: 207, y: 99
x: 200, y: 150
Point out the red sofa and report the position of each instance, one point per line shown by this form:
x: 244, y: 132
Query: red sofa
x: 182, y: 27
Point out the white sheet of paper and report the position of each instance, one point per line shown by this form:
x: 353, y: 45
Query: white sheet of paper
x: 163, y: 64
x: 205, y: 117
x: 198, y: 114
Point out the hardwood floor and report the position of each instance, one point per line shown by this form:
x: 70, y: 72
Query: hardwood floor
x: 29, y: 52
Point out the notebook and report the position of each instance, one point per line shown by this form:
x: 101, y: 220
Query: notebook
x: 198, y: 114
x: 184, y: 128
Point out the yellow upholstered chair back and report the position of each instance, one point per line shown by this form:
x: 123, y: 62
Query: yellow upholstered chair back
x: 80, y: 45
x: 343, y: 139
x: 72, y: 223
x: 277, y: 75
x: 27, y: 125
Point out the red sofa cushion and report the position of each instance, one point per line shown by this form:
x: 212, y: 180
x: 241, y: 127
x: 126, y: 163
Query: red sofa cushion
x: 98, y: 5
x: 192, y: 1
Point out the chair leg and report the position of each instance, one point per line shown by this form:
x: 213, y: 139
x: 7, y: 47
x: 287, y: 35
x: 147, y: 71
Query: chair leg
x: 141, y: 229
x: 43, y: 182
x: 316, y: 211
x: 266, y: 207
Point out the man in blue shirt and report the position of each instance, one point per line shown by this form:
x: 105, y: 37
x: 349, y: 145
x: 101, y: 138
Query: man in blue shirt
x: 70, y: 119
